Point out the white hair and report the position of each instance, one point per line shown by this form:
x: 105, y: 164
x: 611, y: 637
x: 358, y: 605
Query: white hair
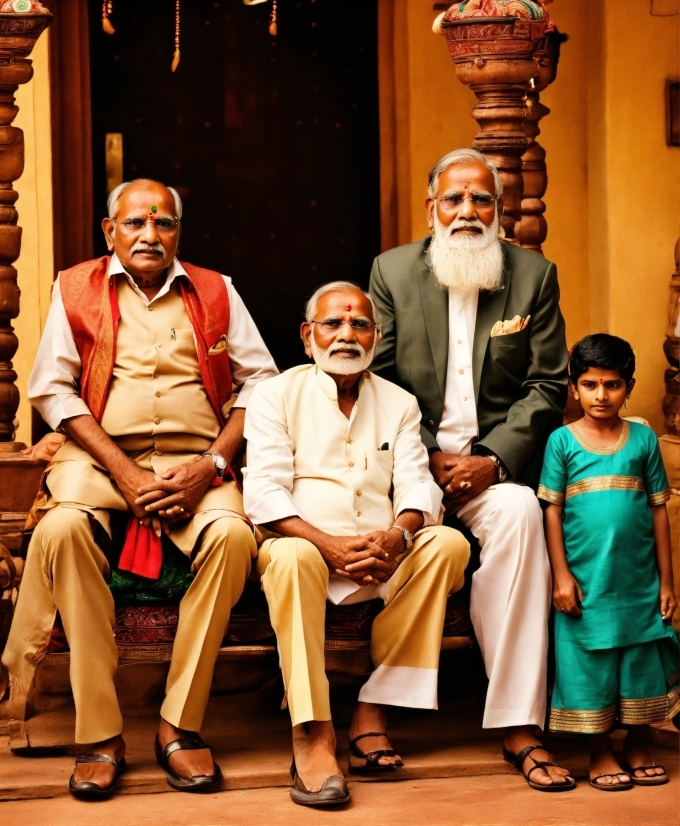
x: 462, y: 156
x: 114, y: 197
x: 342, y: 287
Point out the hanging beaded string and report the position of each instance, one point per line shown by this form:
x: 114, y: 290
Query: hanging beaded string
x: 107, y: 8
x: 272, y: 20
x: 175, y: 57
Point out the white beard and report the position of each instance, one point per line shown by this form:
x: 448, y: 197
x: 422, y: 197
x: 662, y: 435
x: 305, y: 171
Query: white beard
x: 341, y: 365
x: 467, y: 263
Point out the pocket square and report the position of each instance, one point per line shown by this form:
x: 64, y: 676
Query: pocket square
x: 513, y: 325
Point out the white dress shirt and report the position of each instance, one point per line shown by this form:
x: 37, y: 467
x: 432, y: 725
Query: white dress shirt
x: 459, y: 425
x: 52, y: 387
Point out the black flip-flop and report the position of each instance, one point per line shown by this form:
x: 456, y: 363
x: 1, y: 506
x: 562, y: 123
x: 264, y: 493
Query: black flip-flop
x: 334, y: 791
x: 650, y: 779
x: 611, y: 787
x: 370, y: 764
x: 518, y: 759
x: 199, y: 782
x: 87, y: 789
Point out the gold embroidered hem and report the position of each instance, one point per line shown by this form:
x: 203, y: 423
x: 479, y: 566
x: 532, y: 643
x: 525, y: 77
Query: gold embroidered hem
x: 630, y: 713
x: 659, y: 498
x: 583, y: 721
x: 600, y: 483
x: 649, y: 710
x: 603, y: 451
x: 552, y: 496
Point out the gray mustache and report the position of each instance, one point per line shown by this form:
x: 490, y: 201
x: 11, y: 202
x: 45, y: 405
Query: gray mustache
x: 141, y: 247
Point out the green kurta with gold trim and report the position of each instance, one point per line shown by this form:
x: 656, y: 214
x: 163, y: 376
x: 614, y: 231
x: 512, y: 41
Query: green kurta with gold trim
x: 608, y: 533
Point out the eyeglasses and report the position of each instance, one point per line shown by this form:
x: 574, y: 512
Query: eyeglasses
x: 163, y: 225
x: 359, y: 325
x: 480, y: 200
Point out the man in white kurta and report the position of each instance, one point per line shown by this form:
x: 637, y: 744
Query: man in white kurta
x: 338, y: 476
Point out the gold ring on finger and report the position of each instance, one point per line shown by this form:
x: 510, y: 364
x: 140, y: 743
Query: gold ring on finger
x: 181, y: 510
x: 448, y: 490
x: 465, y: 484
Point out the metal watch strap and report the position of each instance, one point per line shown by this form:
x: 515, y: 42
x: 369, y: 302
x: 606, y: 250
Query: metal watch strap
x: 408, y: 536
x: 219, y: 471
x: 500, y: 470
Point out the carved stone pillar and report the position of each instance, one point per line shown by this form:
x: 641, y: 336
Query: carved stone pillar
x: 18, y: 34
x: 494, y: 55
x: 671, y: 347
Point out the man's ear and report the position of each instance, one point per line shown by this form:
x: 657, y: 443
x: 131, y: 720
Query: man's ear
x: 429, y: 209
x: 306, y: 336
x: 108, y: 225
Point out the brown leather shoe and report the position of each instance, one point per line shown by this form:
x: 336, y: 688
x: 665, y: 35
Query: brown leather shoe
x: 334, y: 791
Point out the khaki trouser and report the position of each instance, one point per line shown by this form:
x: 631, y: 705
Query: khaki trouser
x: 65, y: 571
x: 406, y: 634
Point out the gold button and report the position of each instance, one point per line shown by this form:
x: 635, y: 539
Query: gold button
x: 358, y: 513
x: 160, y: 345
x: 156, y: 420
x: 460, y: 341
x: 359, y: 492
x: 464, y: 398
x: 349, y: 441
x: 351, y: 464
x: 158, y: 394
x: 461, y: 371
x: 155, y: 376
x: 149, y: 308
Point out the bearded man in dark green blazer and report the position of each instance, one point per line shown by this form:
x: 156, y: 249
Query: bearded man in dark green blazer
x: 471, y: 326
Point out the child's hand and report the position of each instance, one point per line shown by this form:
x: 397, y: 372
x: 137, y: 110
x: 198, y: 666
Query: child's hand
x: 567, y: 595
x: 668, y: 602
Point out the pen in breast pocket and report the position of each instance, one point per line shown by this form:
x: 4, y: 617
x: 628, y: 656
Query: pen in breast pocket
x: 173, y: 335
x: 385, y: 446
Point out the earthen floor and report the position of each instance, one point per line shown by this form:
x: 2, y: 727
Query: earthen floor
x: 454, y: 774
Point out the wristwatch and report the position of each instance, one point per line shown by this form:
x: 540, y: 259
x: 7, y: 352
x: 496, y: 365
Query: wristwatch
x: 501, y: 472
x: 408, y: 536
x: 219, y: 462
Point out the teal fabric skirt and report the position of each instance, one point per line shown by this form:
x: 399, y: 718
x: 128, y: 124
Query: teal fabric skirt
x: 634, y: 685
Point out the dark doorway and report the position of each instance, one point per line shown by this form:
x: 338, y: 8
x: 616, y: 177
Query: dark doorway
x: 272, y: 142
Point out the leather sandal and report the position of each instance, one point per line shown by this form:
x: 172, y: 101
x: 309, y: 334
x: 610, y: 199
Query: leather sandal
x: 649, y: 780
x: 361, y: 762
x: 334, y: 791
x: 199, y: 782
x: 517, y: 761
x: 611, y: 787
x: 87, y: 789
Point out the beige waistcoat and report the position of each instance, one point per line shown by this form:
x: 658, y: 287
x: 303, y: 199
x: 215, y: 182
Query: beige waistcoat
x: 157, y: 412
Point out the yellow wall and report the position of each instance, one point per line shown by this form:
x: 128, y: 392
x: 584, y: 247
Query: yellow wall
x: 35, y: 264
x: 613, y: 198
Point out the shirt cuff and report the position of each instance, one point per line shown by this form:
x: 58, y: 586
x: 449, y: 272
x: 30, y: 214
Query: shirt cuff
x: 55, y: 410
x: 425, y: 497
x: 272, y: 506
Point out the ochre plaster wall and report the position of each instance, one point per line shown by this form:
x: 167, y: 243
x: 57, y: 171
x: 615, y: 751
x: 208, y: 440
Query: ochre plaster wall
x: 613, y: 199
x: 35, y: 264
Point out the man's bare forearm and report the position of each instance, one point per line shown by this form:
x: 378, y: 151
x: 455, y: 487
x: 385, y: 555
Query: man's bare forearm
x: 89, y: 434
x: 295, y: 527
x: 230, y: 442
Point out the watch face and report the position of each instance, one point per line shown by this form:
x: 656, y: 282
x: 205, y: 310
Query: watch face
x: 220, y: 462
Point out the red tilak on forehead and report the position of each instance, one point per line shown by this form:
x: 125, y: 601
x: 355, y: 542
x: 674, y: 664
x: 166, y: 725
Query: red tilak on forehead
x: 348, y: 307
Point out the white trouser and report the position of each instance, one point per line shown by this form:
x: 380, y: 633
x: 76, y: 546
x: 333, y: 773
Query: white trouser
x: 510, y: 602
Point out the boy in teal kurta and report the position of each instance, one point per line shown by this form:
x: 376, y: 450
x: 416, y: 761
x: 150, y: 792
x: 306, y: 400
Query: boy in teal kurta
x: 609, y: 543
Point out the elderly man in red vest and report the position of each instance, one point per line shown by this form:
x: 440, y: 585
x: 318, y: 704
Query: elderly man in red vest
x: 140, y: 366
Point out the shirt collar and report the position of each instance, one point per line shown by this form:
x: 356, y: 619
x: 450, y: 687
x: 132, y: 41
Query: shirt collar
x: 328, y: 385
x: 174, y: 270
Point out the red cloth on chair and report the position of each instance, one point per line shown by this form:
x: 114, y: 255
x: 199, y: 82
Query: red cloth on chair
x: 142, y: 552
